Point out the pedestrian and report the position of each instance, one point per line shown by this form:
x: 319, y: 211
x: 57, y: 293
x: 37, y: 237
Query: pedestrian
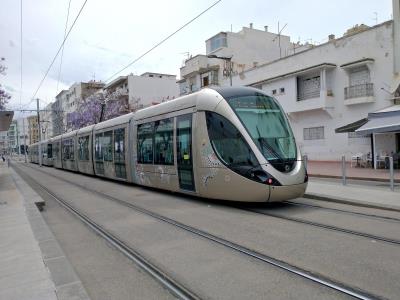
x: 2, y: 157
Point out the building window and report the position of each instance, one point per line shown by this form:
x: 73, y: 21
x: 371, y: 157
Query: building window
x: 282, y: 90
x: 273, y: 92
x: 308, y: 87
x: 205, y: 81
x: 359, y: 83
x: 356, y: 135
x: 218, y: 41
x: 313, y: 133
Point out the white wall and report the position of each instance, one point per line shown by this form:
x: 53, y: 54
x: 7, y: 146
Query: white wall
x: 252, y: 45
x: 144, y: 91
x: 20, y: 123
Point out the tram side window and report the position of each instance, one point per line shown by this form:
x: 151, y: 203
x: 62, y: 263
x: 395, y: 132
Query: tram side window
x: 119, y: 147
x: 163, y: 142
x: 228, y: 143
x: 145, y: 143
x: 68, y: 149
x: 107, y: 146
x: 49, y: 150
x: 98, y: 150
x: 83, y: 144
x: 57, y: 150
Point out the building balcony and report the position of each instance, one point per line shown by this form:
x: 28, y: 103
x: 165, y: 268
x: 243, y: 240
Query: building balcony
x: 199, y: 64
x: 360, y: 93
x: 315, y: 100
x: 308, y: 95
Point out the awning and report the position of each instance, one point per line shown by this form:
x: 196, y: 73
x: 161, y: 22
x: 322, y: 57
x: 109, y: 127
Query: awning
x: 5, y: 119
x: 381, y: 124
x: 352, y: 126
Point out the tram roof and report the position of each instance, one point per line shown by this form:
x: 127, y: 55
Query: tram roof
x: 113, y: 122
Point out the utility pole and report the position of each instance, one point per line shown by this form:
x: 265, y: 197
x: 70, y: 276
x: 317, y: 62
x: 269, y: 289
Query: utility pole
x: 39, y: 132
x: 23, y: 130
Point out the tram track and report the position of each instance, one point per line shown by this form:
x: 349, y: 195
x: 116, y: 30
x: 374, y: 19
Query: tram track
x: 178, y: 290
x: 385, y: 218
x: 325, y: 226
x: 312, y: 276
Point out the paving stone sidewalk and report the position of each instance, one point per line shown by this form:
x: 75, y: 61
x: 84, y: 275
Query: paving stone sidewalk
x: 32, y: 264
x: 368, y: 194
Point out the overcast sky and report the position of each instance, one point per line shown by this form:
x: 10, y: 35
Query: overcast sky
x: 110, y: 34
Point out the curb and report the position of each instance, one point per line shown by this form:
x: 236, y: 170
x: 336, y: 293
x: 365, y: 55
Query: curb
x: 351, y: 202
x: 353, y: 178
x: 66, y: 281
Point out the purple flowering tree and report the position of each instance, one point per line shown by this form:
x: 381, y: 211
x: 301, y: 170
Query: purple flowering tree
x: 90, y: 110
x: 4, y: 96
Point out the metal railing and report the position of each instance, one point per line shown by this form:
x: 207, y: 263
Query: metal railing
x: 359, y: 90
x: 308, y: 95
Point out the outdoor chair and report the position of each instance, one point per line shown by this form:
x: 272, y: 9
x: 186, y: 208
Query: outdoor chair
x: 380, y: 161
x: 366, y: 160
x: 356, y: 159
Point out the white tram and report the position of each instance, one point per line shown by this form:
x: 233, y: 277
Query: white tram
x: 228, y: 143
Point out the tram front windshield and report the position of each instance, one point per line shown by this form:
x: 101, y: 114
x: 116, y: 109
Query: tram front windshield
x: 267, y: 125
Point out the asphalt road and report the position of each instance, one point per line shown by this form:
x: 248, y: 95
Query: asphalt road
x: 210, y: 270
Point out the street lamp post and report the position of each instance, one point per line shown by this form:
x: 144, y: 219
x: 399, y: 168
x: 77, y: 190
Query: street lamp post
x: 227, y: 59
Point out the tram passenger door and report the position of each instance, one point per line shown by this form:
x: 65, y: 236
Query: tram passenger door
x: 184, y: 152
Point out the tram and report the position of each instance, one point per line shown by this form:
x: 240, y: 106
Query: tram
x: 225, y: 143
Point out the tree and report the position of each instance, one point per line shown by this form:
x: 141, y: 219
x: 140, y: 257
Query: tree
x: 4, y: 96
x: 89, y: 110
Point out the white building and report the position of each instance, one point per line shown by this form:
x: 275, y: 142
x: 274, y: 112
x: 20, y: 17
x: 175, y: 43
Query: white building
x: 46, y: 122
x: 231, y: 53
x: 13, y: 137
x: 144, y: 90
x: 21, y: 122
x: 3, y: 142
x: 332, y: 85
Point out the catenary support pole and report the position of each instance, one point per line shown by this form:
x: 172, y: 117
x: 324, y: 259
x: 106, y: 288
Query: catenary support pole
x: 343, y: 170
x: 391, y: 173
x: 23, y: 130
x: 40, y: 133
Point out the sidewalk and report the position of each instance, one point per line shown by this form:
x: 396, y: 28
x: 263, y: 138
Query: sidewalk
x: 32, y: 264
x: 334, y: 170
x: 369, y: 194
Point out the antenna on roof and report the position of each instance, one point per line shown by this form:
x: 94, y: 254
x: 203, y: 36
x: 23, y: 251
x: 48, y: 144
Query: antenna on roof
x: 376, y: 18
x: 279, y: 38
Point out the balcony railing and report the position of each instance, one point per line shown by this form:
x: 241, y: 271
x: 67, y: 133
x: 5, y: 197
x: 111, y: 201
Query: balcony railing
x: 308, y: 95
x: 359, y: 90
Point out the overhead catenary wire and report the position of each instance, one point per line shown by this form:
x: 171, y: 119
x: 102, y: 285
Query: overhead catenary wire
x: 62, y: 51
x: 163, y: 40
x: 59, y: 49
x: 21, y: 32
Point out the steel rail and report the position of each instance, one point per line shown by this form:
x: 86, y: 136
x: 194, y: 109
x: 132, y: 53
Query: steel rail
x: 164, y: 279
x: 324, y: 226
x: 317, y: 278
x: 343, y: 211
